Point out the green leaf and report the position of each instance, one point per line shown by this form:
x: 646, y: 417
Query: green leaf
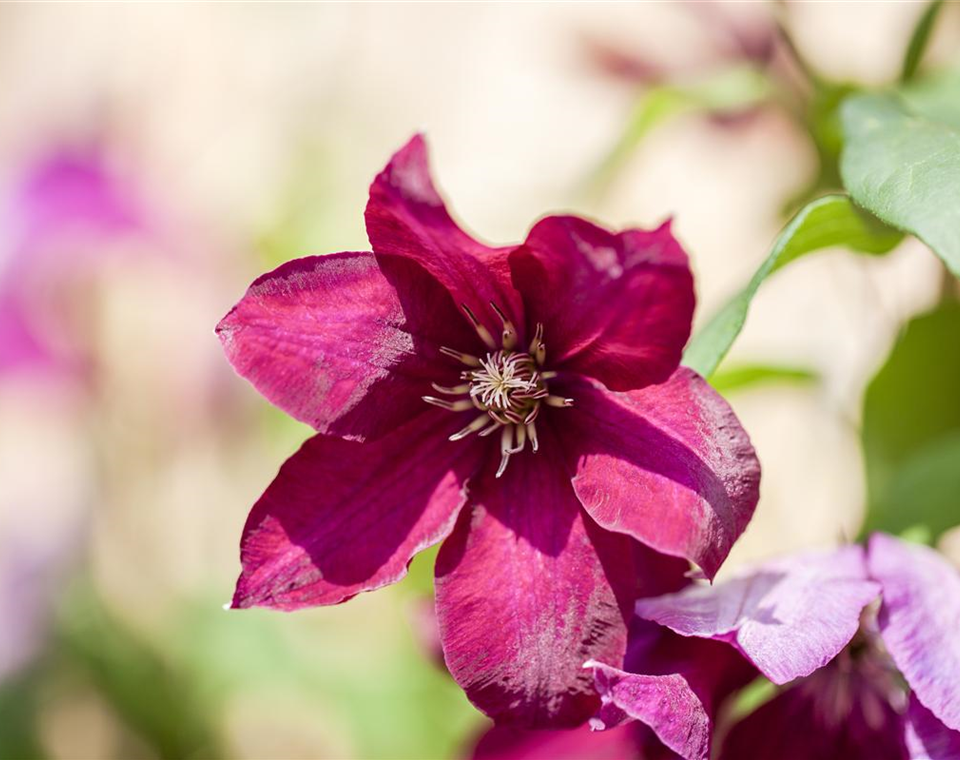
x: 749, y: 375
x: 829, y: 221
x: 911, y: 428
x: 919, y: 39
x: 19, y: 734
x: 922, y: 496
x: 936, y: 97
x: 904, y: 167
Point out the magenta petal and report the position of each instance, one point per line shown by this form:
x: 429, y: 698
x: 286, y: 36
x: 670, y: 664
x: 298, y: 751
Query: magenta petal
x: 334, y: 343
x: 506, y: 743
x: 927, y: 738
x: 788, y: 617
x: 920, y: 621
x: 669, y: 465
x: 406, y: 217
x: 615, y: 307
x: 528, y: 589
x: 672, y: 684
x: 344, y: 517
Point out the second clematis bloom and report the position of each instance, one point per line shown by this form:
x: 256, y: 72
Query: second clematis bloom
x: 524, y: 405
x: 865, y: 641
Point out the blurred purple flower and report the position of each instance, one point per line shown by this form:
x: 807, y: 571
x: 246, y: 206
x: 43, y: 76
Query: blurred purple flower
x: 607, y: 440
x: 57, y: 219
x: 810, y: 621
x: 729, y: 38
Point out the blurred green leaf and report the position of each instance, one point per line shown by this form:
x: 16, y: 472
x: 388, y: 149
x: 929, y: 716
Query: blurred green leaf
x: 936, y: 97
x: 821, y: 120
x: 377, y: 685
x: 731, y: 90
x: 917, y: 534
x: 919, y: 40
x: 18, y: 729
x: 904, y: 168
x: 153, y: 698
x: 911, y: 428
x: 746, y: 376
x: 829, y: 221
x: 924, y: 493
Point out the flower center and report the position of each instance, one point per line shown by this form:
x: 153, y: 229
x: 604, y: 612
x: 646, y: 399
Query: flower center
x: 508, y: 386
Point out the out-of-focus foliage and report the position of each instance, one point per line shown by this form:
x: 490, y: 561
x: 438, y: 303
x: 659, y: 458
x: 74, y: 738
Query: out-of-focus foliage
x: 18, y: 728
x: 904, y: 167
x: 168, y: 715
x: 823, y: 223
x: 911, y: 429
x: 392, y: 700
x: 936, y: 97
x: 743, y: 376
x: 919, y: 39
x: 733, y: 90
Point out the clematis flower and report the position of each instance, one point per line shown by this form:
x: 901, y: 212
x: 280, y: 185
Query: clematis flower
x: 522, y: 404
x: 864, y: 679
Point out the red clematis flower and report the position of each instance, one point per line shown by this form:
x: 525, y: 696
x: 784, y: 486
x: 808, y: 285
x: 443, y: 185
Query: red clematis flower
x: 522, y: 404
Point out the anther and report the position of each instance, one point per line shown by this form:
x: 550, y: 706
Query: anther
x: 509, y: 338
x: 541, y: 353
x: 482, y: 331
x: 452, y: 406
x: 456, y: 390
x: 537, y: 338
x: 549, y: 375
x: 552, y: 400
x: 473, y: 427
x: 468, y: 359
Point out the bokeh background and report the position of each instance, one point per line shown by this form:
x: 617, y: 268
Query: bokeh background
x: 154, y: 159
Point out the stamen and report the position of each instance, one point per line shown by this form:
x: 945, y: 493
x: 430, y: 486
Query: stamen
x: 453, y: 406
x: 509, y: 338
x: 521, y: 439
x: 482, y: 331
x: 456, y: 390
x: 494, y: 425
x: 531, y: 429
x: 473, y: 427
x: 506, y: 441
x: 468, y: 359
x: 507, y: 387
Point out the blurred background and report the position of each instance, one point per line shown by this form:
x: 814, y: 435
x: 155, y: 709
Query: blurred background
x: 154, y: 159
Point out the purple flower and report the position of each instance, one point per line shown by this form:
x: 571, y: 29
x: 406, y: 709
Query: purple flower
x: 522, y: 404
x: 62, y: 211
x: 866, y: 679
